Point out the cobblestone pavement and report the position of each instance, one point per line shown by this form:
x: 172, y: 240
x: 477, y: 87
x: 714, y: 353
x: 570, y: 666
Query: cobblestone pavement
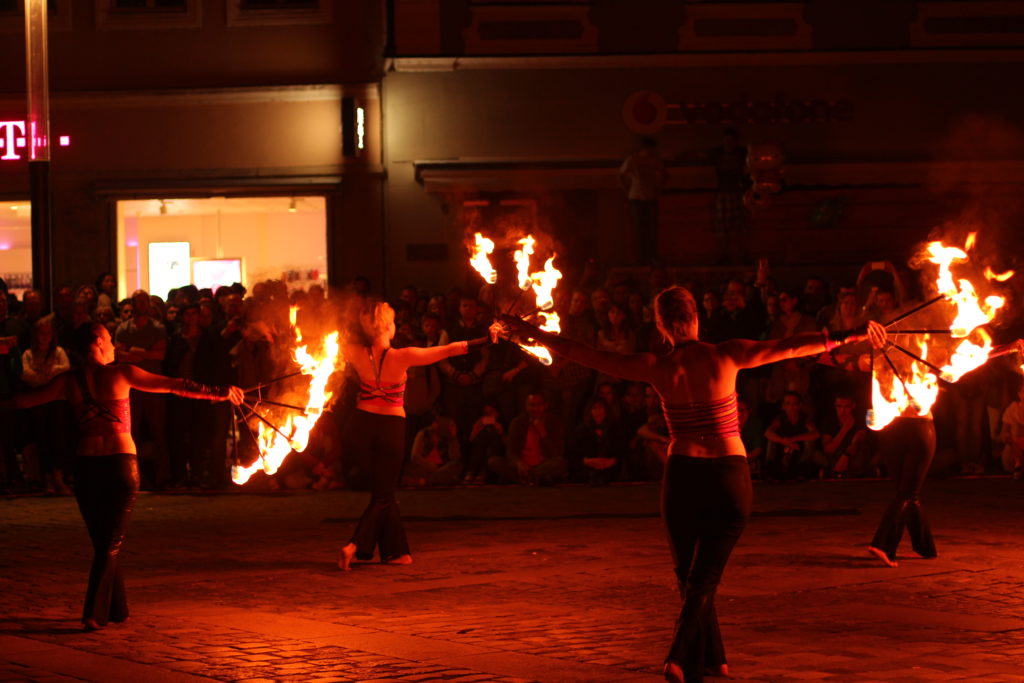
x: 515, y: 584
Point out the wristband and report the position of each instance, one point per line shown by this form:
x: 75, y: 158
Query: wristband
x: 473, y: 344
x: 191, y: 389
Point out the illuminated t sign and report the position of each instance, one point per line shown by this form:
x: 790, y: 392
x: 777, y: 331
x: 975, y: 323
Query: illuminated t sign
x: 12, y: 139
x: 360, y: 127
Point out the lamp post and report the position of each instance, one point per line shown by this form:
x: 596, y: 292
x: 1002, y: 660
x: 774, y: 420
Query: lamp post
x: 37, y: 132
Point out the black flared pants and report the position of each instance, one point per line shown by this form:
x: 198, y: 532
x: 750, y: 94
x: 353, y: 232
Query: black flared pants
x: 907, y: 447
x: 105, y: 488
x: 379, y: 444
x: 705, y: 504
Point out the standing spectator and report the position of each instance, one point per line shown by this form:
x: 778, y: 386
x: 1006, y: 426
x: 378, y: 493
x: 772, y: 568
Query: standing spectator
x: 436, y: 459
x: 63, y: 310
x: 423, y: 382
x: 791, y: 440
x: 568, y: 382
x: 643, y: 175
x: 106, y: 289
x: 712, y: 321
x: 142, y: 341
x: 793, y: 375
x: 536, y: 447
x: 815, y: 296
x: 51, y: 422
x: 14, y: 336
x: 652, y: 437
x: 32, y: 306
x: 616, y: 336
x: 463, y: 390
x: 732, y: 219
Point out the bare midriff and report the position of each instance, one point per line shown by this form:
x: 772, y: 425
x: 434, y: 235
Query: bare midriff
x: 106, y: 445
x: 708, y: 447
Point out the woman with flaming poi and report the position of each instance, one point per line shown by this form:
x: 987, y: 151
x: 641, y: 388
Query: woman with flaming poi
x: 106, y: 472
x: 378, y: 429
x: 706, y: 495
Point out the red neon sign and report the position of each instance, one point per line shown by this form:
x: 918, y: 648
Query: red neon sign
x: 12, y: 139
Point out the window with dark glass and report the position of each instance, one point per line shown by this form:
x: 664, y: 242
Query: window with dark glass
x: 18, y: 6
x: 158, y: 5
x: 278, y: 4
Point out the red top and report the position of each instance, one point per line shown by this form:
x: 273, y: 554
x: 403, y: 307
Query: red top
x: 105, y: 417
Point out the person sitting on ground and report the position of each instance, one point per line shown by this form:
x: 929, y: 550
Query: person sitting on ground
x: 844, y: 445
x: 486, y: 441
x: 535, y: 451
x: 597, y: 446
x: 436, y: 459
x: 1013, y: 436
x: 791, y: 439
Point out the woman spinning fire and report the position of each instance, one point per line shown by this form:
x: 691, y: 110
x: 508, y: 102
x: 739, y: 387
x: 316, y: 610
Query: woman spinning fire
x: 706, y: 496
x: 106, y: 472
x: 378, y: 429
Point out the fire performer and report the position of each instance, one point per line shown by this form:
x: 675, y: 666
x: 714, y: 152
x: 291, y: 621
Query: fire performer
x: 106, y: 473
x: 706, y: 495
x: 378, y: 429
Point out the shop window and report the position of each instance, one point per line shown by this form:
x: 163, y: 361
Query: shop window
x: 147, y: 14
x: 278, y: 12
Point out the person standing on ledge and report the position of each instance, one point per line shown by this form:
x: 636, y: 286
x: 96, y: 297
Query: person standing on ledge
x: 643, y: 175
x: 706, y: 494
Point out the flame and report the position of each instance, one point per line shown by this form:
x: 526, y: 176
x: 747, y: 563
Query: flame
x: 479, y: 251
x: 971, y: 312
x: 274, y: 447
x: 972, y: 345
x: 544, y: 283
x: 522, y: 259
x: 998, y: 277
x: 550, y: 324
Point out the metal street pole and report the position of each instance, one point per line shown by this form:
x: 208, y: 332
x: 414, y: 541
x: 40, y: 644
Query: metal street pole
x: 37, y: 132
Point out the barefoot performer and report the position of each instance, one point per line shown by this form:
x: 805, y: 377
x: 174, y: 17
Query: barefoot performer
x: 106, y: 472
x: 378, y: 429
x: 706, y: 495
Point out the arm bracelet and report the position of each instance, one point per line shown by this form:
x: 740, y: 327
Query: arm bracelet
x: 191, y: 389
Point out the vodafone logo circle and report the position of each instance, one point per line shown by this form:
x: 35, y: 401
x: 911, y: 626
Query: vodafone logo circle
x: 645, y: 112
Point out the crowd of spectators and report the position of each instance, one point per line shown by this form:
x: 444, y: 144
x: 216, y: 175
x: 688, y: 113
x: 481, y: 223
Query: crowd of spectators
x: 495, y: 415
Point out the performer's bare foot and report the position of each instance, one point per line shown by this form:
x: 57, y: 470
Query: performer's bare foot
x: 673, y: 673
x: 401, y: 559
x: 720, y: 671
x: 91, y: 625
x: 880, y: 554
x: 348, y: 553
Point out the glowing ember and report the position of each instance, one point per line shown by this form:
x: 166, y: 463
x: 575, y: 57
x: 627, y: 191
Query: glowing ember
x: 479, y: 252
x: 274, y: 447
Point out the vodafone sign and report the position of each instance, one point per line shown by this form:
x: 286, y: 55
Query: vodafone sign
x: 14, y: 143
x: 646, y: 112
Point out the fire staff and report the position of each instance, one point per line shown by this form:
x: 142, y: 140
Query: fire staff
x: 378, y: 429
x: 706, y: 495
x: 106, y: 472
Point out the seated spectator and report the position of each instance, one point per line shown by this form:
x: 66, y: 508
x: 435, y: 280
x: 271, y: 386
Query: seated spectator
x: 436, y: 459
x: 791, y: 440
x: 844, y: 444
x: 535, y: 451
x: 752, y: 435
x: 486, y: 441
x: 1012, y: 436
x: 652, y: 438
x: 597, y: 446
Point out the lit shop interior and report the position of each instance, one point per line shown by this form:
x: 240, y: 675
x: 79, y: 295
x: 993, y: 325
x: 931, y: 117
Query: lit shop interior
x: 167, y: 243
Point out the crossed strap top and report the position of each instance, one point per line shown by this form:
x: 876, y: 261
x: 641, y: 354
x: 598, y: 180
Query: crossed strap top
x: 376, y: 392
x: 107, y: 417
x: 703, y: 420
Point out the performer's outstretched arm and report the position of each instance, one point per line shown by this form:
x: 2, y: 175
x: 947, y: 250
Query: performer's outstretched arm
x: 750, y: 354
x: 158, y: 384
